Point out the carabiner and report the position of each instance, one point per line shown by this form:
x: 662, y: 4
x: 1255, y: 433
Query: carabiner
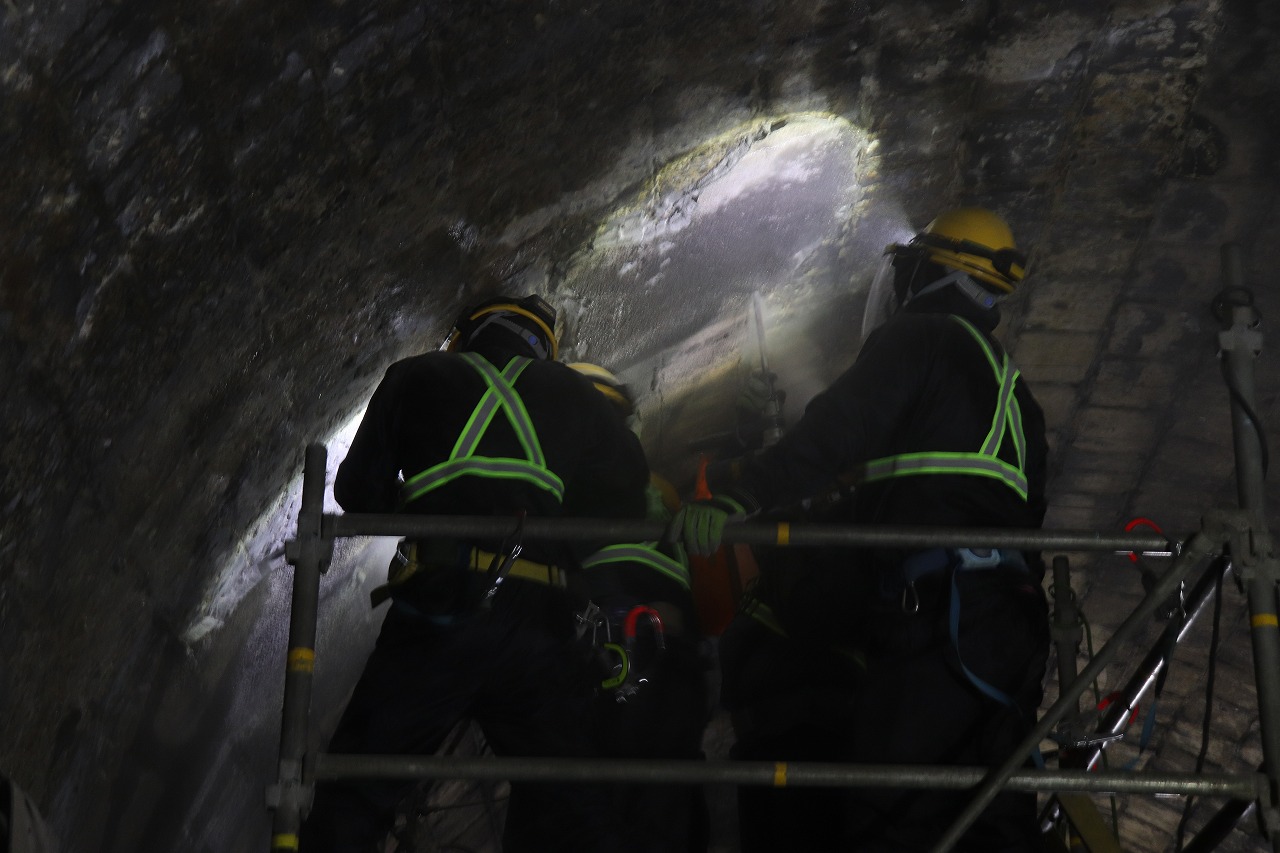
x: 592, y: 616
x: 623, y: 668
x: 655, y: 622
x: 503, y: 560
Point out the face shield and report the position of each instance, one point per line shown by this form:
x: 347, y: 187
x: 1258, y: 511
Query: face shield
x: 891, y: 288
x: 885, y: 296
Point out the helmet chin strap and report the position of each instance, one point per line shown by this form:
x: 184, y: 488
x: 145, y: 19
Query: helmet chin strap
x: 980, y: 296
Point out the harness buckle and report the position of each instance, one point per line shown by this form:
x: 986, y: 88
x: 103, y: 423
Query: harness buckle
x: 592, y: 617
x: 405, y: 563
x: 400, y: 556
x: 979, y: 558
x: 503, y: 560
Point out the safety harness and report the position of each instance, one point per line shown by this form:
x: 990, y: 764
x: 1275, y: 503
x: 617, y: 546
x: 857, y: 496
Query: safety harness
x: 412, y: 557
x: 1006, y: 426
x: 959, y: 560
x: 463, y: 461
x: 986, y: 462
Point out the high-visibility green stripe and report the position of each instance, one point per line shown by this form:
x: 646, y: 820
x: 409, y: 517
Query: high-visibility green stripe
x: 517, y: 414
x: 1005, y: 379
x: 462, y: 461
x: 476, y: 426
x: 982, y: 342
x: 1019, y: 436
x: 645, y: 554
x: 1000, y: 422
x: 986, y: 462
x: 520, y: 418
x: 1016, y: 484
x: 512, y: 405
x: 909, y: 464
x: 483, y: 466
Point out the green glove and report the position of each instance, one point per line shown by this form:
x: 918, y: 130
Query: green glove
x: 701, y: 523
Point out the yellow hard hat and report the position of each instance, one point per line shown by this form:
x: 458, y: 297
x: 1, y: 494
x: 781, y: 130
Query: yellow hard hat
x: 975, y: 241
x: 532, y: 319
x: 666, y: 492
x: 609, y: 385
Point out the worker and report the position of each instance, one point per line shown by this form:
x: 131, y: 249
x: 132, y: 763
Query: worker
x: 482, y: 628
x: 896, y: 655
x: 653, y: 697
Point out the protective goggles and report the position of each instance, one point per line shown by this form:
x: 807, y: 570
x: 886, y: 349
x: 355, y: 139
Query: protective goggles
x: 1004, y: 261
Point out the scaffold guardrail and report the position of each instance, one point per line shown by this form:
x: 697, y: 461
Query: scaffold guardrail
x: 1240, y: 535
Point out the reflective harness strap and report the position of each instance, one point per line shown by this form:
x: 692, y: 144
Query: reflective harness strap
x: 644, y: 553
x: 954, y: 623
x: 978, y: 560
x: 1007, y: 420
x: 462, y: 461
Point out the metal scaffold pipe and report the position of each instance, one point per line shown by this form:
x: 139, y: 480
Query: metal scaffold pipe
x: 1198, y: 548
x: 750, y: 533
x: 771, y: 774
x: 1240, y: 344
x: 1121, y: 709
x: 1066, y: 632
x: 310, y: 555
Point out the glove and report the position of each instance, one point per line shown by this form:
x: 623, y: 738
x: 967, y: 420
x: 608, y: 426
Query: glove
x: 759, y: 393
x: 700, y: 524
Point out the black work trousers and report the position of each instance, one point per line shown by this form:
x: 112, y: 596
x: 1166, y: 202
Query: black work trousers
x: 664, y: 718
x: 516, y: 670
x: 902, y: 699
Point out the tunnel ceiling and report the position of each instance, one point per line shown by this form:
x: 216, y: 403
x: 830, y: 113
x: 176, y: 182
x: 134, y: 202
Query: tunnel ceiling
x: 220, y: 221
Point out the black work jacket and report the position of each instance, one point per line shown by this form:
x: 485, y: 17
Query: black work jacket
x: 421, y: 407
x: 921, y: 383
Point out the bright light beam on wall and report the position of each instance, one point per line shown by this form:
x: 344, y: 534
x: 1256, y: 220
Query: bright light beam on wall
x: 780, y: 209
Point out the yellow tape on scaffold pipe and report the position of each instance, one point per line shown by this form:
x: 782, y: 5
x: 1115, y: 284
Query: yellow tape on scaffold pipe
x: 302, y: 660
